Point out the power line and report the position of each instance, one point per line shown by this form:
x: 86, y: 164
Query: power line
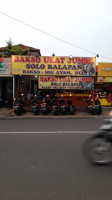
x: 53, y: 36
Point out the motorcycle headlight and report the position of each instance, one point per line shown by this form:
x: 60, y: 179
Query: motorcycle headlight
x: 110, y: 113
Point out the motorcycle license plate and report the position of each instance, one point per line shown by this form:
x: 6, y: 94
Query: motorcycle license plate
x: 34, y: 109
x: 53, y: 106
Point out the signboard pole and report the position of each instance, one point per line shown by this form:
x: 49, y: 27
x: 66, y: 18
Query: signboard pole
x: 13, y: 91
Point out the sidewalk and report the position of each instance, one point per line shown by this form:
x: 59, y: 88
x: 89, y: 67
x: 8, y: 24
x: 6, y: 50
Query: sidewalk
x: 6, y: 113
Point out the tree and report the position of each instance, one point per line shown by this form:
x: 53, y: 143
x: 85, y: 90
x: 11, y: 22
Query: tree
x: 13, y: 50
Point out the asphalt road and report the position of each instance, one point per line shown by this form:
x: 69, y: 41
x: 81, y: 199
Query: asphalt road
x: 50, y: 166
x: 25, y: 125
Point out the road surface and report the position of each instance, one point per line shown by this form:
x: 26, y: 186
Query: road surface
x: 42, y: 160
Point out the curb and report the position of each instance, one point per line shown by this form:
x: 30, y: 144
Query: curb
x: 79, y: 115
x: 54, y: 117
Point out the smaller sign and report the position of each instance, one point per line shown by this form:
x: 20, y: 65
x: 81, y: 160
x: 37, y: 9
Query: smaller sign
x: 53, y: 82
x: 105, y: 69
x: 102, y: 79
x: 5, y: 67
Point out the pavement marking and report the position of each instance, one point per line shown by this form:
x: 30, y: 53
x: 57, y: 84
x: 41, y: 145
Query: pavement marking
x: 47, y: 132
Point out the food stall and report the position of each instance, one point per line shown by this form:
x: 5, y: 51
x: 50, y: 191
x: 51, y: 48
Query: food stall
x: 103, y: 84
x: 69, y: 75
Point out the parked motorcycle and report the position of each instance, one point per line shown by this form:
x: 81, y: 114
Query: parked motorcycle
x: 6, y: 103
x: 97, y: 102
x: 63, y: 108
x: 45, y: 105
x: 35, y: 106
x: 98, y: 148
x: 96, y: 109
x: 54, y: 105
x: 71, y: 108
x: 2, y: 103
x: 10, y: 103
x: 19, y: 106
x: 89, y: 103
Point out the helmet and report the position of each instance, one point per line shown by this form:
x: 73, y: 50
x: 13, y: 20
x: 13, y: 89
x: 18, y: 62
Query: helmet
x: 47, y: 95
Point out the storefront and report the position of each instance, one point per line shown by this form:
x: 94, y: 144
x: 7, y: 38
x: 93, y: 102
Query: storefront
x: 60, y: 75
x: 103, y: 84
x: 6, y: 79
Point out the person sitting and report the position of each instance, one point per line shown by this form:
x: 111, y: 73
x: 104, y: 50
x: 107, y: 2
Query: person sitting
x: 29, y: 95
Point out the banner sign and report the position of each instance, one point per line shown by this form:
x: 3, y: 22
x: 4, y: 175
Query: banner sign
x: 80, y: 83
x: 105, y: 69
x: 102, y: 79
x: 59, y: 66
x: 5, y: 67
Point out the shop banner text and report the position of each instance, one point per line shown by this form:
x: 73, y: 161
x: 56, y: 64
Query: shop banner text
x: 5, y: 67
x: 80, y: 83
x: 59, y: 66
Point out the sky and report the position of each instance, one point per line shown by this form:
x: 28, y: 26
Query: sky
x: 83, y: 28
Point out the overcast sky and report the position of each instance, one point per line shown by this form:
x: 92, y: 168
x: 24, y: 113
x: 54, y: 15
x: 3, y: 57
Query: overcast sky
x: 83, y: 23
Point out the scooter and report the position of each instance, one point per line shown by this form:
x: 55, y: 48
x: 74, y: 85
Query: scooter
x: 89, y: 103
x: 54, y: 105
x: 10, y: 103
x: 35, y: 106
x: 97, y: 102
x: 97, y: 149
x: 63, y: 108
x: 19, y: 106
x: 96, y: 109
x: 71, y: 108
x: 45, y: 107
x: 2, y: 103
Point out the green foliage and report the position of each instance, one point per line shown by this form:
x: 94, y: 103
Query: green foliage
x: 13, y: 50
x: 9, y: 43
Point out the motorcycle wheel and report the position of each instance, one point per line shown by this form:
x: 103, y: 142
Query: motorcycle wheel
x: 55, y: 112
x: 18, y: 112
x: 71, y: 112
x: 97, y: 150
x: 45, y: 112
x: 91, y: 111
x: 36, y: 112
x: 63, y: 112
x: 24, y: 110
x: 100, y: 111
